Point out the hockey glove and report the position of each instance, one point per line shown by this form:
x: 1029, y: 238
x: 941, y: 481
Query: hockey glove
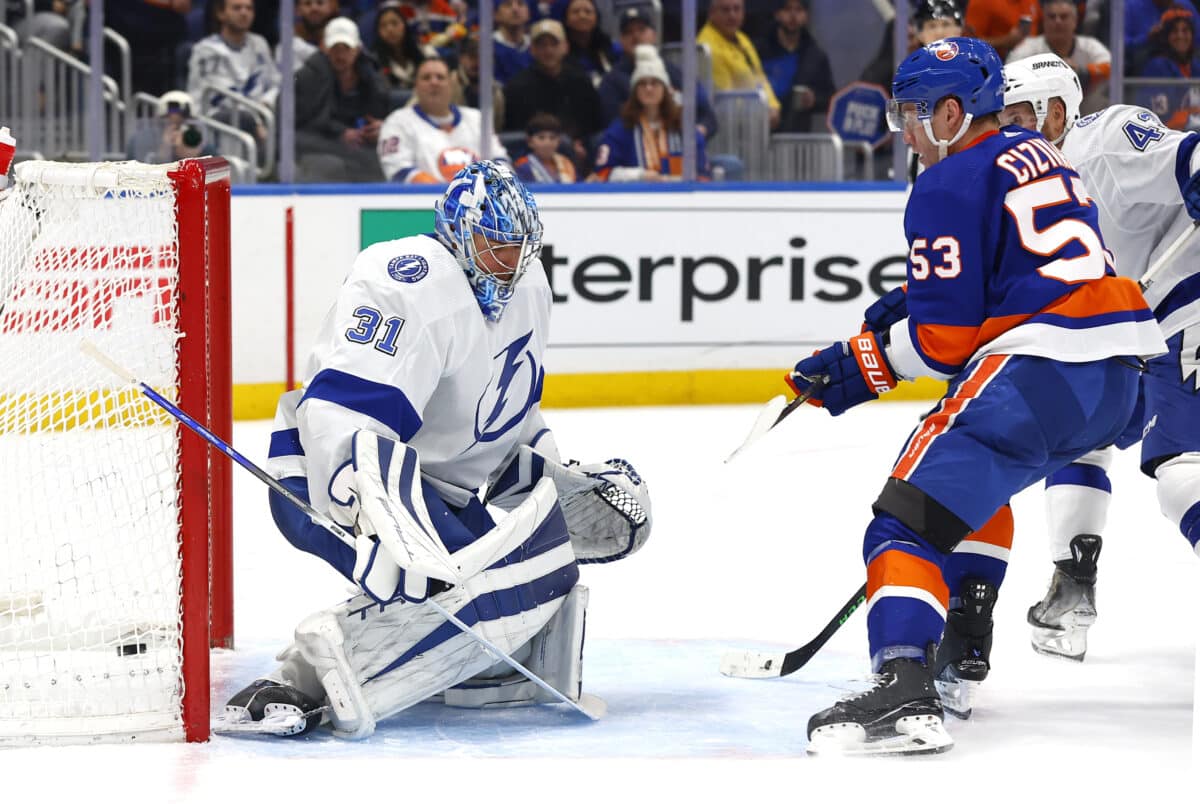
x: 887, y: 310
x: 1191, y: 195
x: 855, y: 371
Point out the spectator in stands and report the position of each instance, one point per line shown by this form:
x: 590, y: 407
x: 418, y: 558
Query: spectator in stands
x: 438, y: 23
x: 591, y: 49
x: 170, y: 136
x: 234, y: 60
x: 1003, y: 24
x: 430, y: 140
x: 154, y: 30
x: 929, y: 21
x: 395, y: 48
x: 1143, y: 24
x: 937, y: 19
x: 552, y: 85
x: 797, y: 68
x: 464, y: 81
x: 736, y: 65
x: 340, y: 102
x: 637, y: 28
x: 1178, y: 107
x: 646, y: 142
x: 1087, y: 55
x: 511, y: 49
x: 544, y: 164
x: 311, y: 19
x: 58, y: 22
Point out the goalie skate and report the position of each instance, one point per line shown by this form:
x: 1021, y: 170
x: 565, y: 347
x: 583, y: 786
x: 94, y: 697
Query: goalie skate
x: 1061, y: 620
x: 269, y: 707
x: 900, y: 714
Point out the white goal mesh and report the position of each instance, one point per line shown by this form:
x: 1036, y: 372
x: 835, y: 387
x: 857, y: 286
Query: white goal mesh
x: 90, y: 600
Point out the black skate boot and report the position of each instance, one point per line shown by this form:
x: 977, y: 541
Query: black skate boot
x: 963, y: 657
x: 1060, y: 622
x: 270, y: 707
x: 900, y: 714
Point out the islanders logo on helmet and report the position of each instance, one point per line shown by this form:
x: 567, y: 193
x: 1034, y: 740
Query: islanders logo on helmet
x: 943, y: 49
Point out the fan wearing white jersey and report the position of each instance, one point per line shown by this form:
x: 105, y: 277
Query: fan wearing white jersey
x: 432, y: 139
x: 1145, y: 181
x: 420, y: 408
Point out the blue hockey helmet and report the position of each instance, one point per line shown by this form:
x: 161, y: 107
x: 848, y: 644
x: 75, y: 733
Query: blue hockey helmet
x: 485, y: 198
x: 958, y: 66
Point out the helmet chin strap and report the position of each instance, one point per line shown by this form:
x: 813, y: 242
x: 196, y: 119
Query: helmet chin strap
x: 943, y: 145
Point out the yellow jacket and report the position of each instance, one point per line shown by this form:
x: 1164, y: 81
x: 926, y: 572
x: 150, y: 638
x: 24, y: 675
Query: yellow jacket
x: 735, y: 64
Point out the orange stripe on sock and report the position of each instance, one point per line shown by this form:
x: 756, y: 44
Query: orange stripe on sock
x: 897, y: 568
x: 941, y: 419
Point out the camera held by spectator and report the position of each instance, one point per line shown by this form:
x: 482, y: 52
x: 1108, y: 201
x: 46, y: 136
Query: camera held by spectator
x: 172, y: 135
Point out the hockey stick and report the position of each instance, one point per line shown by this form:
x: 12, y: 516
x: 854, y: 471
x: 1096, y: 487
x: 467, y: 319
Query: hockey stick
x: 1165, y: 258
x: 773, y: 413
x: 760, y: 664
x: 588, y: 705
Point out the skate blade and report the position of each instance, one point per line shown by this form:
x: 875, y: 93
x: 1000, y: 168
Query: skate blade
x: 275, y: 724
x: 1070, y: 644
x: 917, y: 734
x: 958, y: 697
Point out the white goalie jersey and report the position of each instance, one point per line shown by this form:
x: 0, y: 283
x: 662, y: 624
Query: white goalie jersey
x: 407, y: 353
x: 1129, y: 162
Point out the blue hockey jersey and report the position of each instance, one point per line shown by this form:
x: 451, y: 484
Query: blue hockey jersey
x: 1006, y: 257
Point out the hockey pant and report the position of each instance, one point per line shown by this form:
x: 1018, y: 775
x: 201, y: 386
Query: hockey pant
x: 1006, y: 422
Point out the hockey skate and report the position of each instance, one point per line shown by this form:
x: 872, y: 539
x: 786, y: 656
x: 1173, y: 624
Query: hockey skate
x: 270, y: 707
x: 963, y: 656
x: 1060, y: 622
x: 900, y: 714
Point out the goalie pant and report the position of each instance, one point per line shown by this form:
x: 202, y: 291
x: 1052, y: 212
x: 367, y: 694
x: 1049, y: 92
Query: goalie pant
x: 373, y: 661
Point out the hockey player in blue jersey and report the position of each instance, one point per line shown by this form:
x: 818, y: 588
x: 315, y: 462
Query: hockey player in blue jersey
x: 420, y: 409
x: 1010, y: 298
x: 1145, y: 180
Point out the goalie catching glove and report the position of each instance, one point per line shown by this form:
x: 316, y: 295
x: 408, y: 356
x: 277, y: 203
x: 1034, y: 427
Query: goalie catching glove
x: 606, y: 505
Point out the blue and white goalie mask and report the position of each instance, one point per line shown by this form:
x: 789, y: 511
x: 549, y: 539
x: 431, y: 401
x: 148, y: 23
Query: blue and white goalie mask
x: 489, y: 221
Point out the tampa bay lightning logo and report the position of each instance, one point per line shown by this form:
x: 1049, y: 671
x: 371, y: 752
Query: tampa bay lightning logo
x: 409, y: 268
x: 516, y: 385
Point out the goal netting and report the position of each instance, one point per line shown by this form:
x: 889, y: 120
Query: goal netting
x: 100, y: 561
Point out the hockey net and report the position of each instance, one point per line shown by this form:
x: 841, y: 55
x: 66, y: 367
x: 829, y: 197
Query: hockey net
x: 114, y: 548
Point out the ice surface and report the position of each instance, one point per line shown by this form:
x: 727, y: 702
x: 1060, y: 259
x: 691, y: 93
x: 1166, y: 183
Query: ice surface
x: 756, y: 553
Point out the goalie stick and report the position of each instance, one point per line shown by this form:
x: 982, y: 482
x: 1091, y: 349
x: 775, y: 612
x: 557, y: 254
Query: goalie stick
x: 588, y: 705
x: 761, y: 664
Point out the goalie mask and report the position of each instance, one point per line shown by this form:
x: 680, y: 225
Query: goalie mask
x: 489, y: 222
x: 1038, y: 79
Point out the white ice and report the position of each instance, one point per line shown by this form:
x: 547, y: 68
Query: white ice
x: 757, y: 553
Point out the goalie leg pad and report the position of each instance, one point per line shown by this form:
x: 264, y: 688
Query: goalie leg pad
x: 374, y: 661
x: 555, y: 655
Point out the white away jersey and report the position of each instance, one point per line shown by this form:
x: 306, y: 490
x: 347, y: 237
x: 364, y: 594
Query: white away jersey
x: 1131, y: 164
x: 413, y: 147
x: 406, y: 352
x: 248, y: 70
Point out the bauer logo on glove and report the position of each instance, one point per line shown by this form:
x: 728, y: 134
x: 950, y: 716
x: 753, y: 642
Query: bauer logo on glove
x: 852, y: 372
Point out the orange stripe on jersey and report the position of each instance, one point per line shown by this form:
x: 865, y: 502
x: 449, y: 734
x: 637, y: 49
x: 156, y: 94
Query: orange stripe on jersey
x: 1109, y: 294
x: 940, y: 420
x: 897, y: 568
x: 998, y: 530
x: 953, y: 345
